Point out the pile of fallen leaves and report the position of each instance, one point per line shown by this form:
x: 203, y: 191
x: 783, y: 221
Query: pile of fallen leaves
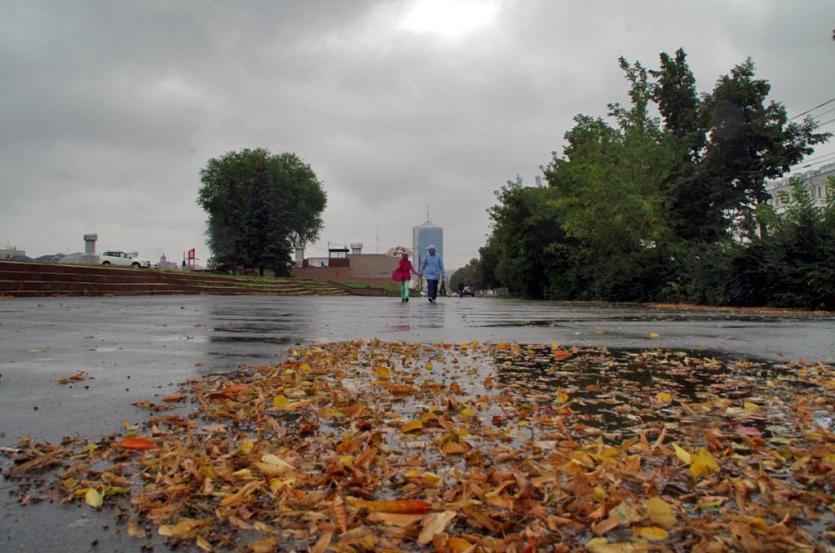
x: 375, y: 446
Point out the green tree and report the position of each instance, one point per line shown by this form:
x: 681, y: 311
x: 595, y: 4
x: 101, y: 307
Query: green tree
x: 524, y: 246
x: 260, y: 205
x: 749, y: 140
x: 468, y: 275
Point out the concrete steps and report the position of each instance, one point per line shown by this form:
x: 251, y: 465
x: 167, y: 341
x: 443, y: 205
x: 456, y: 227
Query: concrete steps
x: 49, y: 279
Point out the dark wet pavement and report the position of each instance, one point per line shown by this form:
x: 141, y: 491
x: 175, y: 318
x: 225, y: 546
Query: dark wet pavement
x: 142, y: 347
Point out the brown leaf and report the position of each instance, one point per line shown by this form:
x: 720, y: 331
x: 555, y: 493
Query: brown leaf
x: 434, y: 524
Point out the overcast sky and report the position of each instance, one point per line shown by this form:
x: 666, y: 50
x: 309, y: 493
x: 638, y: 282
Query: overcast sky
x: 109, y: 109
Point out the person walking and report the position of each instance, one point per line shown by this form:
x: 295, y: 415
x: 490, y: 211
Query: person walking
x: 433, y: 268
x: 403, y: 274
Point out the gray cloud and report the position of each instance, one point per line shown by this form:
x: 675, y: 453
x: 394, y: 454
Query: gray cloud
x: 110, y: 109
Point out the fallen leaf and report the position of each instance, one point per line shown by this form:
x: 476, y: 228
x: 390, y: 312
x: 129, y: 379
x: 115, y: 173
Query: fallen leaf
x: 703, y: 464
x: 395, y: 519
x: 136, y: 443
x: 434, y: 524
x: 403, y: 506
x: 664, y: 397
x: 682, y: 454
x: 175, y: 398
x: 660, y: 512
x: 652, y: 533
x: 605, y: 547
x: 272, y: 465
x: 184, y: 527
x: 411, y: 426
x: 134, y: 530
x: 264, y: 545
x: 281, y: 403
x: 93, y: 498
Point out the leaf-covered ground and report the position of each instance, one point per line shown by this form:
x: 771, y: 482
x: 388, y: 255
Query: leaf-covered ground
x: 375, y: 446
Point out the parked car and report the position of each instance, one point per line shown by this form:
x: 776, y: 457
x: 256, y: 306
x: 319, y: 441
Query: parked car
x: 123, y: 259
x: 467, y: 291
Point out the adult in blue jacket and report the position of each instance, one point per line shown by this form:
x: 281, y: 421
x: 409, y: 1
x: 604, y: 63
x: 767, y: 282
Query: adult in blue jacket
x: 433, y: 269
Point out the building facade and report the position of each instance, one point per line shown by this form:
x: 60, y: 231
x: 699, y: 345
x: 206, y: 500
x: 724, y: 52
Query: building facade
x: 816, y: 181
x: 425, y: 235
x: 343, y: 265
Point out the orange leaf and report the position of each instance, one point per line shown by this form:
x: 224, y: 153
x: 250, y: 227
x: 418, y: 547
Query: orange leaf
x: 136, y: 443
x: 339, y: 513
x: 403, y: 506
x: 561, y: 354
x: 174, y: 398
x: 235, y: 389
x: 458, y: 545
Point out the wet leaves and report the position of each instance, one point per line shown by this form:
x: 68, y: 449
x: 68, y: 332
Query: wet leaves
x: 507, y: 448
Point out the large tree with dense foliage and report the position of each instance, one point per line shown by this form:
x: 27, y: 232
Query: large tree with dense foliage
x: 639, y: 207
x: 260, y: 206
x: 730, y: 141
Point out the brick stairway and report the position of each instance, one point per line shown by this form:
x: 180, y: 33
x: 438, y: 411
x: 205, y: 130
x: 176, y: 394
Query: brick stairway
x: 50, y: 279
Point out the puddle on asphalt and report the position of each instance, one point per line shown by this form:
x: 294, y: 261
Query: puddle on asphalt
x: 599, y: 380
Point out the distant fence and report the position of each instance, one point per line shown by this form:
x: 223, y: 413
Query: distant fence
x: 491, y: 292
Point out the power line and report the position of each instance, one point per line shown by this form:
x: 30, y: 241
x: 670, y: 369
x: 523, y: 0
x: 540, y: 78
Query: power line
x: 819, y: 162
x: 828, y: 154
x: 812, y: 109
x: 830, y: 110
x: 826, y: 122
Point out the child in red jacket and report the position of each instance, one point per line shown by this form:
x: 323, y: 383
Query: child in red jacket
x: 403, y: 274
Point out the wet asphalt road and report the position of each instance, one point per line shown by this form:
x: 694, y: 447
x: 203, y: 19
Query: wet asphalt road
x: 141, y: 347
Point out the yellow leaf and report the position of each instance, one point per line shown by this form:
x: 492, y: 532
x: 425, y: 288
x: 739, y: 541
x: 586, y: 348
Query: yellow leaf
x: 703, y: 464
x: 272, y: 465
x: 246, y: 447
x: 382, y: 372
x: 654, y: 335
x: 412, y: 426
x: 562, y: 396
x: 182, y: 528
x: 427, y: 478
x: 748, y: 406
x: 467, y: 412
x: 660, y: 512
x: 429, y: 366
x: 242, y: 474
x: 281, y: 403
x: 601, y: 545
x: 346, y: 460
x: 93, y: 498
x: 664, y: 397
x: 652, y: 533
x: 454, y: 448
x: 277, y: 484
x: 682, y: 454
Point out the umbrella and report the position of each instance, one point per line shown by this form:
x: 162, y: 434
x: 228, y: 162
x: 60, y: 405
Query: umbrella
x: 397, y: 251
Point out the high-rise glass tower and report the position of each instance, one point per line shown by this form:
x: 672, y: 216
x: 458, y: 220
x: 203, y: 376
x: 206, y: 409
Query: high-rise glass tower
x: 425, y: 235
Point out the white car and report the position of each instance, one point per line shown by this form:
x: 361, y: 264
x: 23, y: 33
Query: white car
x: 124, y: 259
